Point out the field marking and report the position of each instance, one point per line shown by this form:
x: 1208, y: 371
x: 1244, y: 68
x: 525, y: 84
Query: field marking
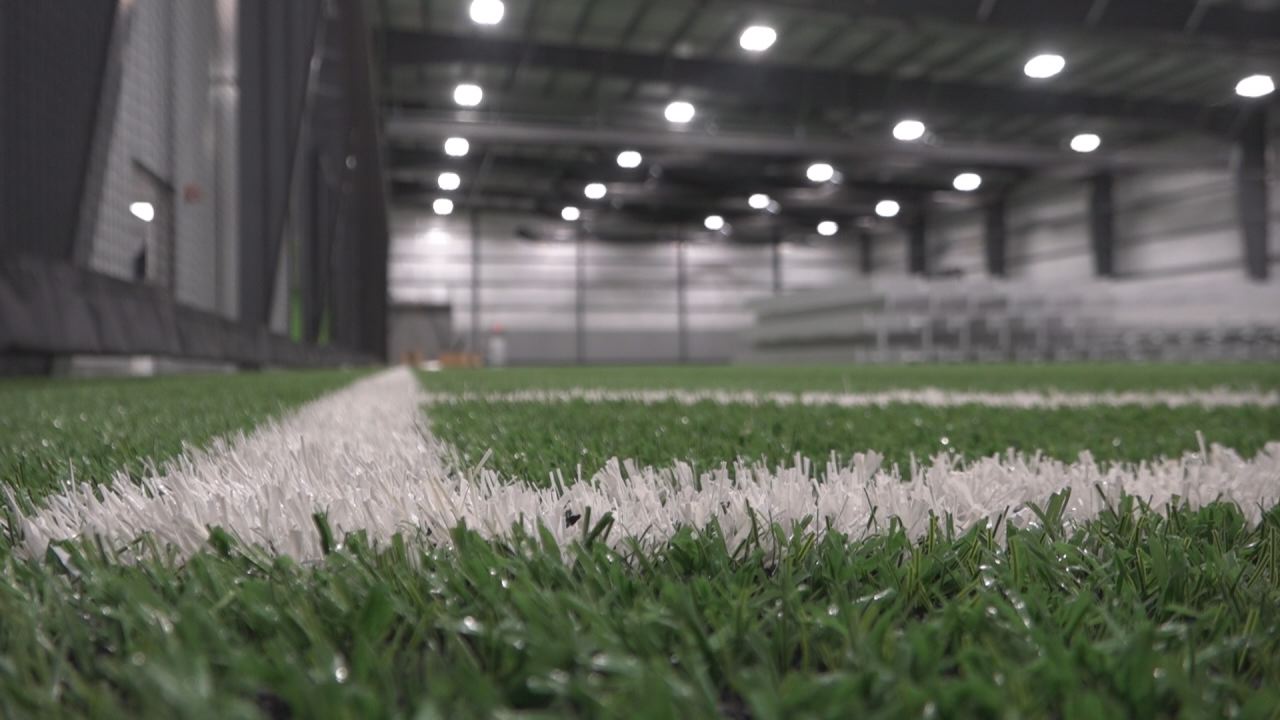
x: 363, y: 455
x: 933, y: 397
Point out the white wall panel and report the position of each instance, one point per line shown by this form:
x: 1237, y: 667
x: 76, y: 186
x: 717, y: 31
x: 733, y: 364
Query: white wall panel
x: 1177, y: 228
x: 164, y: 122
x: 530, y: 286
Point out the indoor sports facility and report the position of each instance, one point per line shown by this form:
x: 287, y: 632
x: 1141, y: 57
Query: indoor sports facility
x: 639, y: 359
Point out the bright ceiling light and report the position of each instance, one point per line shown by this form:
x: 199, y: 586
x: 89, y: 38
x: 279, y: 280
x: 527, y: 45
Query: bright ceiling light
x: 759, y: 201
x: 629, y: 159
x: 456, y: 147
x: 758, y: 38
x: 1044, y: 66
x: 442, y: 206
x: 1255, y: 86
x: 713, y: 223
x: 570, y: 214
x: 1086, y: 143
x: 827, y: 228
x: 468, y: 95
x: 967, y: 182
x: 487, y: 12
x: 595, y: 191
x: 679, y: 111
x: 144, y: 211
x: 888, y: 208
x: 908, y: 130
x: 449, y: 181
x: 820, y: 172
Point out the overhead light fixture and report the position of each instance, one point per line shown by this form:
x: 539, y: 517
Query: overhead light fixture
x: 759, y: 201
x: 487, y: 12
x: 758, y: 38
x: 456, y: 147
x: 144, y: 211
x: 827, y: 228
x: 595, y: 191
x: 888, y: 208
x: 908, y: 130
x: 679, y: 111
x: 1044, y: 66
x: 967, y: 182
x: 449, y: 181
x: 468, y: 95
x: 820, y: 172
x: 442, y: 206
x: 713, y: 223
x: 629, y: 159
x: 570, y: 214
x: 1255, y: 86
x: 1086, y: 143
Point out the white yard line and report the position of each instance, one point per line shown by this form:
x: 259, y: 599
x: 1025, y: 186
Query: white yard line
x: 935, y: 397
x: 363, y: 456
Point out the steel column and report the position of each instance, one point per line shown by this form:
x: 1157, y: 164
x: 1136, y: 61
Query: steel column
x: 682, y: 300
x: 776, y: 259
x: 475, y: 280
x: 1102, y: 224
x: 918, y: 243
x: 579, y: 295
x: 1251, y: 190
x: 866, y: 258
x: 996, y: 236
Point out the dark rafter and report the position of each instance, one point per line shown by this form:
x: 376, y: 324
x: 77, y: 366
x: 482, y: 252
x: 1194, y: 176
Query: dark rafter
x: 579, y: 26
x: 1185, y: 22
x: 691, y: 16
x: 530, y: 22
x: 637, y: 17
x: 415, y: 128
x: 786, y: 84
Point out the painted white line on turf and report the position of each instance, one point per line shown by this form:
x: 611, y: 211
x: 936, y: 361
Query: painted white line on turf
x: 362, y: 455
x: 933, y: 397
x: 356, y: 453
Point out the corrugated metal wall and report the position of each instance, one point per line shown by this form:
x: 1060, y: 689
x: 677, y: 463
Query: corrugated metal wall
x: 528, y: 285
x: 1183, y: 224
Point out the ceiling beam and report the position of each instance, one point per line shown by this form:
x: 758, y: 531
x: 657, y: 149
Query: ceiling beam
x: 787, y: 84
x: 667, y: 207
x: 1232, y: 25
x: 692, y: 172
x: 409, y: 128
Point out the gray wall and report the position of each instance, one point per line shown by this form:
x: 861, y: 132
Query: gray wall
x: 631, y: 311
x: 165, y: 121
x: 1168, y: 225
x: 1177, y: 237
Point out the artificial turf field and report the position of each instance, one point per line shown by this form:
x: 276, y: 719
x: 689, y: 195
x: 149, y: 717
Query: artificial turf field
x: 1138, y: 612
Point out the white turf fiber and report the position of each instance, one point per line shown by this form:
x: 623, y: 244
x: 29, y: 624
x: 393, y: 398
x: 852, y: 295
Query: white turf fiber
x: 934, y: 397
x: 363, y: 456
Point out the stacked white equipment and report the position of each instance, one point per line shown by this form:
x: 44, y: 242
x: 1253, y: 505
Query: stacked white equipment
x: 916, y: 320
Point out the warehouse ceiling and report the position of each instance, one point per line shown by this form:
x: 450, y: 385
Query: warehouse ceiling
x: 567, y: 85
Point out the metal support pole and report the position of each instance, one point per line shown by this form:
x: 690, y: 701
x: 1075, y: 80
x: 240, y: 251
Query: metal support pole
x: 776, y: 249
x: 682, y: 301
x: 918, y: 244
x: 580, y: 296
x: 866, y: 260
x: 997, y: 237
x: 1251, y: 190
x: 1102, y: 224
x: 475, y: 281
